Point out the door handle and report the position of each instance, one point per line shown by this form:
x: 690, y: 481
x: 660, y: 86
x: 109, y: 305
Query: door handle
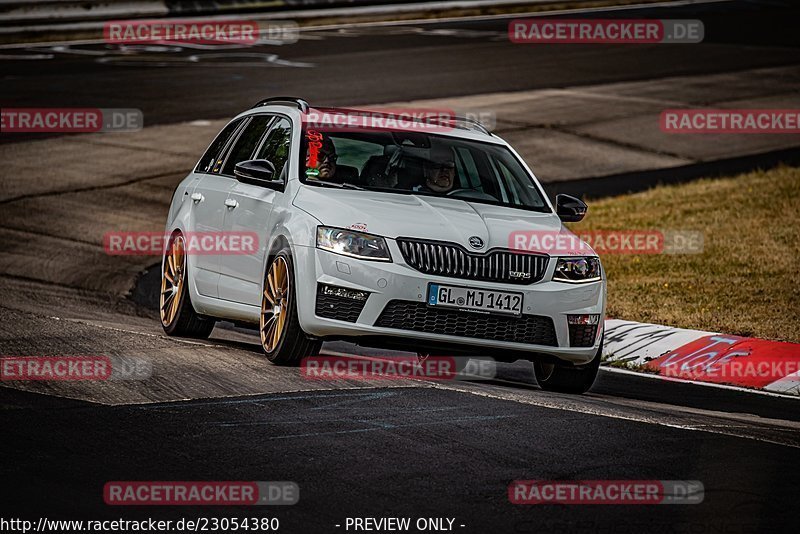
x: 231, y: 202
x: 197, y: 197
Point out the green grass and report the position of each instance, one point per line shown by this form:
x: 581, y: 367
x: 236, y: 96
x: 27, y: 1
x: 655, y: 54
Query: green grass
x: 746, y: 281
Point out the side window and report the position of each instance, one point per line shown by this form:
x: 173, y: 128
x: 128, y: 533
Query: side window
x: 276, y: 146
x: 246, y: 144
x: 214, y: 152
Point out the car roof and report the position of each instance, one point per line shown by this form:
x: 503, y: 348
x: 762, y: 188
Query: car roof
x: 397, y: 118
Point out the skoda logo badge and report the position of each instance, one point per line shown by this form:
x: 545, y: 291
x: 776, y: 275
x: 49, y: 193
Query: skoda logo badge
x: 475, y: 242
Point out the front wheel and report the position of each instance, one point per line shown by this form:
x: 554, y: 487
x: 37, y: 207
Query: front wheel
x: 577, y: 379
x: 282, y: 339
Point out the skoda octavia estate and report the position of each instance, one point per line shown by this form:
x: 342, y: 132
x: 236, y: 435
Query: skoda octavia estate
x: 427, y: 234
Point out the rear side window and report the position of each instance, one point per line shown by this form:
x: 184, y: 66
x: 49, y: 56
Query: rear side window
x: 246, y: 143
x: 213, y: 155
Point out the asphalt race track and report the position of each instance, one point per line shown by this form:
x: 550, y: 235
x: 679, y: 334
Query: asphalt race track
x: 217, y: 410
x: 367, y: 65
x: 418, y: 452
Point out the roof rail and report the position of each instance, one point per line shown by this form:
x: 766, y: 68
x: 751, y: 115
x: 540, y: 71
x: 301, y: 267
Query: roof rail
x: 469, y: 124
x: 301, y: 104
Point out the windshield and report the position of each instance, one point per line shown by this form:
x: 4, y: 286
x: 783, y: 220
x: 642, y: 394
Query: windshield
x: 418, y: 163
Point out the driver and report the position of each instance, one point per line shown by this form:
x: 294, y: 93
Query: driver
x: 439, y: 171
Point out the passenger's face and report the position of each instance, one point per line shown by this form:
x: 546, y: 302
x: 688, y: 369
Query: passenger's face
x: 440, y: 176
x: 326, y: 162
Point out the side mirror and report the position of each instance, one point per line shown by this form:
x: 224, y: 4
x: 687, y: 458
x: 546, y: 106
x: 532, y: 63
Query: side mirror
x: 570, y: 209
x: 257, y: 172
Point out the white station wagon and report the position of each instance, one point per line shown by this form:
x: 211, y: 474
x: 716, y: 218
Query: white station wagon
x: 390, y: 237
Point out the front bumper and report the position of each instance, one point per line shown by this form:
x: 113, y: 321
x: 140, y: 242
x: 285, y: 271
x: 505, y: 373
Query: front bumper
x: 396, y: 281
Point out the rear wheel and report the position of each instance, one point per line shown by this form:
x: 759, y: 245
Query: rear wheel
x: 282, y: 339
x: 178, y: 317
x: 563, y: 379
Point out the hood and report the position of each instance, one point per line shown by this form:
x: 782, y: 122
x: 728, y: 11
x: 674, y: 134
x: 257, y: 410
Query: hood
x: 427, y: 217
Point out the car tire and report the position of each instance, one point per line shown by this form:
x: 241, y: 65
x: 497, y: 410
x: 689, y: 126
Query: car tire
x: 282, y: 338
x: 178, y: 317
x: 563, y: 379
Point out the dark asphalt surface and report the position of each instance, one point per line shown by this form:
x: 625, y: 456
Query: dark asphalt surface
x: 420, y: 451
x: 397, y: 452
x: 376, y: 65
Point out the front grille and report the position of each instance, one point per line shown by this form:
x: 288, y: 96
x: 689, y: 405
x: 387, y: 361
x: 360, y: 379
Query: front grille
x: 340, y: 308
x: 418, y: 316
x: 582, y: 335
x: 449, y: 259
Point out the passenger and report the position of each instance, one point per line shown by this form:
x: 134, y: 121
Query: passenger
x: 326, y: 161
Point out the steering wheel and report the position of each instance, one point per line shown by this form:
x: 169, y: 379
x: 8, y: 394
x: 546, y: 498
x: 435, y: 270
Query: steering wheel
x: 454, y: 191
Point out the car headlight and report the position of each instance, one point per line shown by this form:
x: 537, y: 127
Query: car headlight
x: 354, y: 244
x: 577, y: 270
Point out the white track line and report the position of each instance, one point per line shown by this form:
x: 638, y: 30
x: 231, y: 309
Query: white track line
x: 614, y: 411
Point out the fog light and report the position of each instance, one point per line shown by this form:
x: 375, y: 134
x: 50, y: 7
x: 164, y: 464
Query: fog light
x: 583, y: 319
x: 343, y: 292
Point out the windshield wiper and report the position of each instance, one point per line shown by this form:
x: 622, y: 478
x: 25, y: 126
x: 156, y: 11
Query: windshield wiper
x: 347, y: 185
x: 344, y: 185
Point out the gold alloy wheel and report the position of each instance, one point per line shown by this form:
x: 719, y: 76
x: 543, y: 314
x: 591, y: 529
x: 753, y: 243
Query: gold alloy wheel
x: 274, y: 304
x: 172, y: 281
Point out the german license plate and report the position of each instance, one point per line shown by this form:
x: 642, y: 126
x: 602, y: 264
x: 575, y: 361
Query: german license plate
x: 475, y: 300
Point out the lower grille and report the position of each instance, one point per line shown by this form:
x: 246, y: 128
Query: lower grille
x: 418, y: 316
x: 339, y: 308
x: 582, y: 335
